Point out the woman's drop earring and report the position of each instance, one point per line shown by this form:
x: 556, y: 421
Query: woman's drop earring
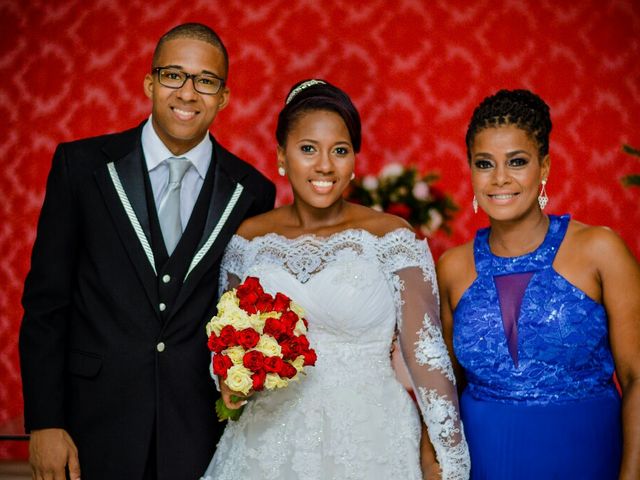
x: 353, y: 175
x: 474, y: 202
x: 543, y: 199
x: 281, y: 171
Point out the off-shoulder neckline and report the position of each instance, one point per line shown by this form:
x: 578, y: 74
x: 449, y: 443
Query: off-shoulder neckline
x: 326, y: 238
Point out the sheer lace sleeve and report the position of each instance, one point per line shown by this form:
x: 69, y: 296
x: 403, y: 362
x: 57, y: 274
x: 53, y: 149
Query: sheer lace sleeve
x: 412, y: 273
x: 233, y: 264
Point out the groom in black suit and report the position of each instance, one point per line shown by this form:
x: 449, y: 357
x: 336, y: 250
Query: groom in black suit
x: 112, y: 344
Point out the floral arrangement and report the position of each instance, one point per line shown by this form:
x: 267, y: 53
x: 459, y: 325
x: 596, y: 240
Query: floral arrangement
x: 405, y: 192
x: 258, y: 341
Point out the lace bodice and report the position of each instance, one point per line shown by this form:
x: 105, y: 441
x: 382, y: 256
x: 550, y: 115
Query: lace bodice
x: 556, y: 347
x: 356, y: 288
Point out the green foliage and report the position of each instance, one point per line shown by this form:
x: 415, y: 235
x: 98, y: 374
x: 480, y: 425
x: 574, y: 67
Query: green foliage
x: 405, y: 192
x: 632, y: 180
x: 226, y: 413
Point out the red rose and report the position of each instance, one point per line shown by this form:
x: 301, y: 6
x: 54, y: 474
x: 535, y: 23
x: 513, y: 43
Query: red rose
x: 273, y: 327
x: 250, y: 287
x: 294, y: 347
x: 265, y: 303
x: 304, y: 342
x: 253, y: 360
x: 310, y: 357
x: 287, y: 370
x: 221, y: 363
x: 215, y: 344
x: 258, y: 379
x: 281, y: 303
x: 248, y: 306
x: 285, y: 347
x: 247, y: 338
x: 228, y: 336
x: 273, y: 364
x: 399, y: 209
x: 289, y: 320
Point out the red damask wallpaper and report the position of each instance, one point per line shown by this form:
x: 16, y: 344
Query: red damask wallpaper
x: 415, y: 69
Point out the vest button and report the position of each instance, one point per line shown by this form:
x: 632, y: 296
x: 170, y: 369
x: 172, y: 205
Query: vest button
x: 166, y: 278
x: 160, y: 347
x: 162, y: 307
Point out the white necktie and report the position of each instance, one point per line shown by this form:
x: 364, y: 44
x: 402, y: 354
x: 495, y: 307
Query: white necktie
x: 169, y: 209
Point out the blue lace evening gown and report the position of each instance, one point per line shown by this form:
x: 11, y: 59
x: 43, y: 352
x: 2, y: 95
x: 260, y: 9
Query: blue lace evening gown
x: 540, y: 401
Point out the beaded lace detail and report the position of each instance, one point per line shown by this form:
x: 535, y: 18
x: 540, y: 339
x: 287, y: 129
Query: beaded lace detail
x: 348, y: 418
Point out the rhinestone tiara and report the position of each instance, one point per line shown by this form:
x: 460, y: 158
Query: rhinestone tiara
x: 302, y: 86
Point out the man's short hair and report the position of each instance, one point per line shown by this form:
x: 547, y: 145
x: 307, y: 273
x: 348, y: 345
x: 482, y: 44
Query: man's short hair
x: 195, y: 31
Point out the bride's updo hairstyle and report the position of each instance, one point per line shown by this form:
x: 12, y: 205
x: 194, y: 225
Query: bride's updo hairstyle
x: 521, y: 108
x: 313, y: 95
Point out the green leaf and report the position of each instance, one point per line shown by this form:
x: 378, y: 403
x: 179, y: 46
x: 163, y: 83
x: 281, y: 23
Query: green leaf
x: 226, y: 413
x: 630, y: 150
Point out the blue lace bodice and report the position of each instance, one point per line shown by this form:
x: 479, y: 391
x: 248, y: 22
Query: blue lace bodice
x: 523, y: 333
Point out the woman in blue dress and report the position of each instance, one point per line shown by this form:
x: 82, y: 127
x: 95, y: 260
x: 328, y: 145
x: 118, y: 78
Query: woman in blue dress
x: 539, y: 311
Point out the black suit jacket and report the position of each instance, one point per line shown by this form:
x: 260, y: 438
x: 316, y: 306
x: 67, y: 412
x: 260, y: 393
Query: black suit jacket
x: 96, y: 357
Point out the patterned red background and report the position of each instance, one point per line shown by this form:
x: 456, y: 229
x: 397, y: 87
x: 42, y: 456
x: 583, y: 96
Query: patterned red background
x: 415, y: 69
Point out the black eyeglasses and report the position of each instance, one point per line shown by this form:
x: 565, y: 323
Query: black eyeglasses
x: 205, y: 83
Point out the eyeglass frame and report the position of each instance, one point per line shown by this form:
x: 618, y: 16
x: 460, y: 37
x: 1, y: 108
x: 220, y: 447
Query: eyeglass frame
x: 188, y: 76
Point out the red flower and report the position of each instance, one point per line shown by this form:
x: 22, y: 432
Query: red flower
x: 273, y: 364
x: 289, y: 320
x: 274, y: 327
x: 248, y: 293
x: 221, y: 363
x: 294, y: 347
x: 281, y: 303
x: 287, y: 370
x: 247, y: 338
x: 253, y: 360
x: 265, y: 303
x: 310, y: 357
x: 258, y: 379
x: 228, y: 336
x: 399, y: 209
x: 215, y: 344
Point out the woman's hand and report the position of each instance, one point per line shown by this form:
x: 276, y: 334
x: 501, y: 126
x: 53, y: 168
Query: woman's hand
x: 229, y: 395
x: 432, y: 471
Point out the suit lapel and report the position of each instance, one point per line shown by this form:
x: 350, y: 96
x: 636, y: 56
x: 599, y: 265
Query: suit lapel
x: 121, y: 183
x: 229, y: 204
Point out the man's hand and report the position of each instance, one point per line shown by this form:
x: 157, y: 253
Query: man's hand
x: 50, y: 451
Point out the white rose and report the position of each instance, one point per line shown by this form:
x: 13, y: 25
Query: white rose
x: 392, y: 170
x: 299, y: 363
x: 239, y: 379
x: 236, y: 354
x: 297, y: 309
x: 300, y: 328
x: 370, y: 182
x: 421, y: 190
x: 435, y: 219
x: 274, y: 380
x: 269, y: 346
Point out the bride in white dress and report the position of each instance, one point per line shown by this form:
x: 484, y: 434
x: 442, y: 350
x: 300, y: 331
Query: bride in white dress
x: 359, y: 275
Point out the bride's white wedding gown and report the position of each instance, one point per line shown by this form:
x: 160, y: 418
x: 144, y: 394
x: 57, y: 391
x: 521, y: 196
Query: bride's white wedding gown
x: 348, y: 418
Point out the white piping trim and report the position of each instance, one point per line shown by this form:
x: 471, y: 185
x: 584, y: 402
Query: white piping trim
x: 115, y: 178
x: 216, y: 231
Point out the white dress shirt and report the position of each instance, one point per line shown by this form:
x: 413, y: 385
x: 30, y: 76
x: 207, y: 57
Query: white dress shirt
x: 156, y: 153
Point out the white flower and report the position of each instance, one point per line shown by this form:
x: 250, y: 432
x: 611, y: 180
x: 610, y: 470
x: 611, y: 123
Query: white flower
x: 370, y: 182
x: 435, y: 219
x: 269, y: 346
x: 239, y: 379
x: 392, y: 170
x: 273, y: 380
x: 421, y: 190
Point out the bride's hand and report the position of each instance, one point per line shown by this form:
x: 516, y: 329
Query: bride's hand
x: 227, y: 393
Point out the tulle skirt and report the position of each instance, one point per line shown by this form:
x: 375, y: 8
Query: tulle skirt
x: 575, y: 440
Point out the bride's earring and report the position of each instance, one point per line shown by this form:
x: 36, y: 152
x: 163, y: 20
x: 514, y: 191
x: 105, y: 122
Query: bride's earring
x: 543, y: 199
x: 281, y: 171
x: 474, y: 202
x: 353, y: 175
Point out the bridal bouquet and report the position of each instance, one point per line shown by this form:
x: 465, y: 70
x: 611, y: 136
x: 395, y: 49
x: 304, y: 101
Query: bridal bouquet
x: 258, y: 341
